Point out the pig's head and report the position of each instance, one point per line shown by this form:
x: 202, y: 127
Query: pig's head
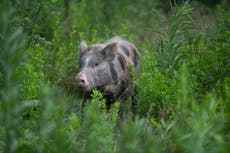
x: 90, y: 56
x: 93, y: 71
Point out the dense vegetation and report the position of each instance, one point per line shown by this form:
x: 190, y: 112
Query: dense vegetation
x: 183, y: 99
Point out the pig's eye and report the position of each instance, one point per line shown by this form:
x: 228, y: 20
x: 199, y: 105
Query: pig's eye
x: 96, y: 64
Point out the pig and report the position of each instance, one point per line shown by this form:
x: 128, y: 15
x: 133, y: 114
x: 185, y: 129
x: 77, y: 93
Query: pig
x: 108, y: 67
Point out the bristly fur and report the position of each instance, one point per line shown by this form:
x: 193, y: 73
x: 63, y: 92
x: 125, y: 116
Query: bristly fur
x: 114, y: 59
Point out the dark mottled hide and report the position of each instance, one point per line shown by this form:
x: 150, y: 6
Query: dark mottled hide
x: 107, y: 67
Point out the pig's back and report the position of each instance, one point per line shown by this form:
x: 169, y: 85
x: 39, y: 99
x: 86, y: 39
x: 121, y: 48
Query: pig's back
x: 128, y: 50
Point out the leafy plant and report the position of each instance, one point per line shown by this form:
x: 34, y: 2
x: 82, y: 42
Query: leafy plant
x: 12, y: 43
x: 168, y: 50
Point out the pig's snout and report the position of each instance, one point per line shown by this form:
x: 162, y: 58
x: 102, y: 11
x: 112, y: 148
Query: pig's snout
x: 82, y: 81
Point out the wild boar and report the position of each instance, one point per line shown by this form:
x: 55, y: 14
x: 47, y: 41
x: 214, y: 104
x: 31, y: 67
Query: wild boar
x: 108, y: 67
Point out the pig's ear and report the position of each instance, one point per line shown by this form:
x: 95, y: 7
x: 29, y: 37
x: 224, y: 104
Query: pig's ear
x: 83, y: 46
x: 109, y: 50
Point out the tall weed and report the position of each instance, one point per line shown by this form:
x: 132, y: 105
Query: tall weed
x: 12, y: 43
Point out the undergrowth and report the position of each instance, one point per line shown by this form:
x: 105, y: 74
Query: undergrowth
x: 182, y: 103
